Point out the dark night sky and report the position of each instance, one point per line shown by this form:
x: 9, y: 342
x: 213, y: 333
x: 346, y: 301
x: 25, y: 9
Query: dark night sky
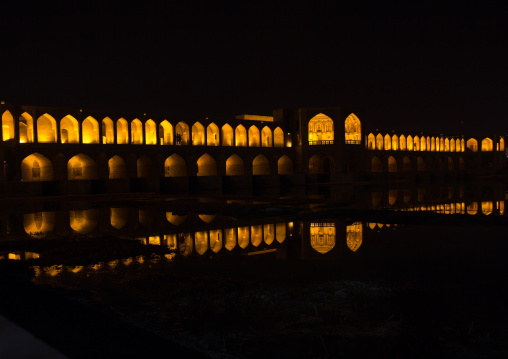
x: 406, y: 65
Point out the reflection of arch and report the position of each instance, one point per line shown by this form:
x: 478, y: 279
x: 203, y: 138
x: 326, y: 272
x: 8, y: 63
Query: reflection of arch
x: 376, y: 165
x: 136, y: 132
x: 321, y: 130
x: 243, y: 237
x: 175, y: 219
x: 166, y: 133
x: 285, y: 165
x: 83, y: 221
x: 81, y: 167
x: 371, y: 141
x: 472, y: 144
x: 36, y: 167
x: 266, y: 137
x: 278, y: 135
x: 144, y: 166
x: 227, y: 135
x: 46, y: 129
x: 206, y: 166
x: 354, y: 236
x: 69, y: 130
x: 280, y: 232
x: 175, y: 166
x: 234, y: 166
x: 420, y: 164
x: 253, y: 136
x: 150, y: 133
x: 256, y: 235
x: 117, y: 168
x: 487, y: 145
x: 182, y: 133
x: 39, y: 224
x: 198, y: 134
x: 322, y: 237
x: 201, y: 242
x: 26, y: 128
x: 118, y: 217
x: 90, y: 130
x: 260, y: 166
x: 215, y: 240
x: 353, y: 129
x: 212, y: 135
x: 392, y: 164
x: 7, y: 126
x: 230, y: 238
x: 321, y: 163
x: 122, y: 131
x: 108, y: 132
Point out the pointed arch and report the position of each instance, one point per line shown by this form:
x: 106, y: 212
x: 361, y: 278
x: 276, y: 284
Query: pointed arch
x: 379, y: 142
x: 322, y: 237
x: 321, y: 130
x: 472, y: 144
x: 353, y: 129
x: 260, y: 165
x: 375, y: 165
x: 198, y: 134
x: 266, y: 137
x: 36, y: 167
x: 253, y: 136
x: 166, y: 133
x: 285, y: 165
x: 420, y: 164
x: 371, y: 141
x: 227, y: 135
x: 451, y: 166
x: 81, y: 167
x: 69, y: 130
x: 136, y: 132
x: 122, y: 131
x: 395, y: 143
x: 446, y: 147
x: 278, y: 137
x: 321, y: 163
x: 234, y: 166
x: 487, y: 145
x: 402, y: 142
x: 144, y: 167
x: 90, y: 130
x: 175, y: 166
x: 7, y: 126
x: 406, y: 164
x: 392, y: 164
x: 240, y: 136
x: 150, y: 132
x: 452, y: 145
x: 46, y: 129
x: 388, y: 142
x: 117, y: 168
x: 26, y: 128
x: 432, y: 144
x: 428, y: 144
x: 354, y: 236
x: 108, y: 131
x: 182, y: 133
x: 212, y: 135
x: 206, y: 166
x: 416, y: 142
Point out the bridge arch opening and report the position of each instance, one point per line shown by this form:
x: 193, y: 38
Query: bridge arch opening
x: 136, y: 132
x: 402, y: 143
x: 144, y: 167
x: 452, y: 145
x: 198, y: 134
x: 321, y: 130
x: 7, y: 126
x: 122, y: 131
x: 69, y: 130
x: 375, y: 165
x: 182, y: 133
x: 253, y: 136
x: 371, y: 141
x: 108, y: 131
x: 260, y: 165
x: 321, y: 163
x: 285, y: 165
x: 117, y: 168
x: 36, y: 167
x: 206, y: 166
x: 90, y: 129
x: 234, y: 166
x: 240, y: 136
x: 379, y: 141
x: 388, y: 142
x: 392, y: 164
x: 410, y: 143
x: 46, y: 129
x: 353, y: 130
x: 487, y: 145
x: 451, y: 166
x: 278, y: 135
x: 420, y: 164
x: 175, y: 166
x: 26, y: 128
x: 212, y: 135
x: 166, y: 133
x: 81, y: 167
x: 150, y: 132
x: 266, y: 136
x: 395, y: 143
x: 472, y: 144
x: 227, y: 135
x: 406, y: 164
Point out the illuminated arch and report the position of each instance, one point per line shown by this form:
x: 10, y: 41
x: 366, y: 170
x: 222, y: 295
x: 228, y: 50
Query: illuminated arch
x: 81, y: 167
x: 446, y: 145
x: 117, y: 168
x: 417, y: 144
x: 206, y: 166
x: 243, y: 237
x: 321, y: 163
x: 321, y: 129
x: 240, y: 136
x: 175, y: 166
x: 144, y: 167
x: 420, y: 164
x: 136, y: 132
x: 122, y: 131
x: 379, y: 141
x: 108, y: 131
x: 280, y: 232
x: 371, y: 141
x: 198, y: 134
x: 392, y: 164
x: 406, y: 164
x: 212, y: 135
x: 266, y: 137
x: 285, y: 165
x: 234, y: 166
x: 388, y: 142
x: 260, y: 166
x: 175, y: 219
x: 402, y: 142
x: 26, y: 128
x: 322, y: 237
x: 472, y: 144
x: 278, y: 135
x: 150, y: 132
x: 166, y: 133
x: 7, y: 126
x: 215, y: 240
x: 395, y: 143
x: 39, y: 224
x: 230, y: 238
x: 376, y: 166
x: 432, y: 144
x: 36, y: 167
x: 182, y: 133
x: 501, y: 144
x: 256, y: 235
x: 69, y: 130
x: 487, y: 145
x: 118, y: 217
x: 354, y: 236
x: 452, y: 145
x: 90, y: 130
x: 227, y: 135
x: 410, y: 143
x: 353, y: 129
x: 46, y: 129
x: 201, y: 242
x: 253, y: 136
x: 428, y: 145
x: 269, y: 233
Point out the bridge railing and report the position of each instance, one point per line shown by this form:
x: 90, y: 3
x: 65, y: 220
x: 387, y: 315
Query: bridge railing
x: 321, y: 142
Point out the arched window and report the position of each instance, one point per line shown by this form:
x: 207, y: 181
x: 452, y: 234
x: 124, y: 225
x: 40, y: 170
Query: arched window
x: 417, y: 144
x: 182, y: 134
x: 452, y: 145
x: 388, y: 142
x: 379, y: 141
x: 402, y: 141
x: 410, y: 143
x: 487, y: 145
x: 371, y: 141
x: 116, y: 168
x: 353, y: 129
x: 395, y: 143
x: 321, y: 130
x: 81, y: 167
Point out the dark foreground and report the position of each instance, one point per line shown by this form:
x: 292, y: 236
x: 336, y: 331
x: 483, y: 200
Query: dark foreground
x: 433, y: 290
